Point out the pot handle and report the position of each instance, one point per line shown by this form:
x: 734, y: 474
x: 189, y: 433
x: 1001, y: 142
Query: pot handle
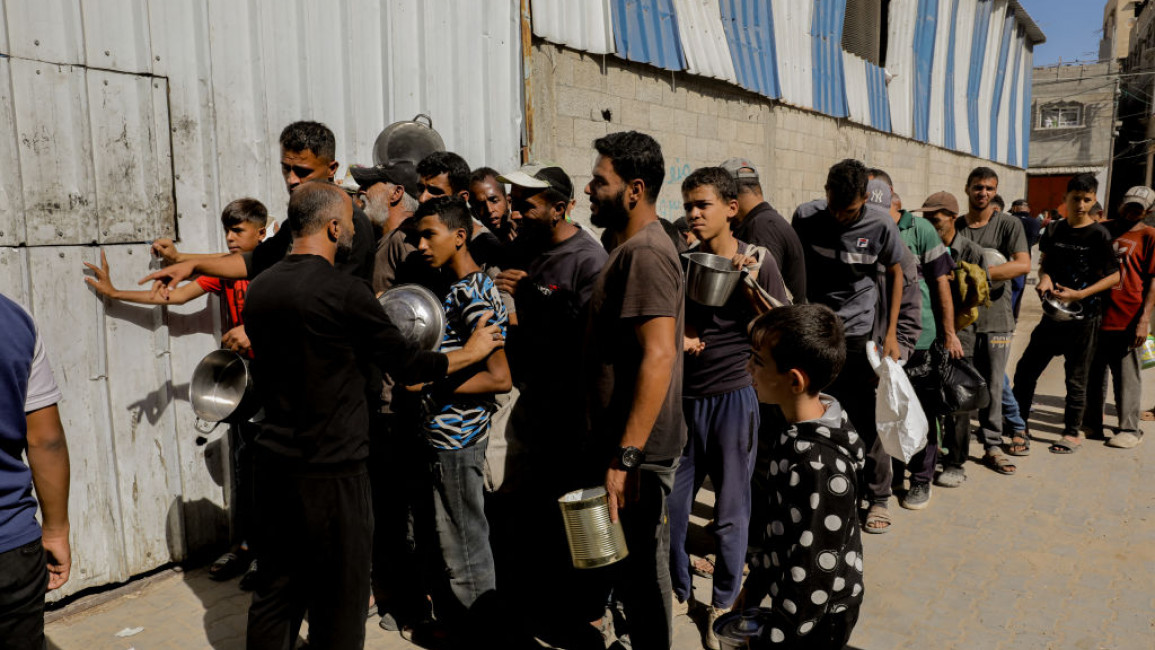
x: 428, y: 120
x: 200, y: 425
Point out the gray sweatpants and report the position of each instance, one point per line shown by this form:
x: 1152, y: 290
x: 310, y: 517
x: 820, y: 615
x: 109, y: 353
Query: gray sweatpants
x: 1114, y: 353
x: 990, y: 358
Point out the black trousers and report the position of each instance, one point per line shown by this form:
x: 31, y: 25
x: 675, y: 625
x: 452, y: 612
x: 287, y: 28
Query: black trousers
x: 399, y: 491
x: 1075, y: 341
x: 313, y: 539
x: 855, y: 389
x: 23, y: 583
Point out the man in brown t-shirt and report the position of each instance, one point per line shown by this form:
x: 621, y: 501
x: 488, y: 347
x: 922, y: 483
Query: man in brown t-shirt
x: 633, y: 346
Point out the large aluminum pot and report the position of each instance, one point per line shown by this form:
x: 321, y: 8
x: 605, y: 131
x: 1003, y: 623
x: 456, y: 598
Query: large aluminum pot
x: 411, y: 140
x: 594, y: 540
x: 710, y: 279
x: 221, y: 389
x: 417, y: 312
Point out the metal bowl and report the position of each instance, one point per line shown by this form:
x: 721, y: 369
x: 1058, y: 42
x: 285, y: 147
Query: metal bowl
x: 710, y: 279
x: 993, y: 257
x: 221, y: 389
x: 1061, y: 311
x: 408, y: 140
x: 417, y: 312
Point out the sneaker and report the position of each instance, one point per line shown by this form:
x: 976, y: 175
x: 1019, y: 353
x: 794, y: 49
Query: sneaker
x: 712, y: 614
x: 917, y: 497
x: 249, y: 580
x: 950, y: 477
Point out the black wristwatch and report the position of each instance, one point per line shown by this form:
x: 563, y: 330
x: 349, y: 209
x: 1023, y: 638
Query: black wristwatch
x: 630, y: 457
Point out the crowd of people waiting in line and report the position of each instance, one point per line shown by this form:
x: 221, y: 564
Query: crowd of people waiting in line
x: 367, y: 477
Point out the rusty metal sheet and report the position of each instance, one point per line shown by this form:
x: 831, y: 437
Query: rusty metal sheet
x: 130, y: 156
x: 45, y: 30
x: 116, y: 35
x: 140, y: 395
x: 55, y: 149
x: 11, y: 194
x: 71, y: 326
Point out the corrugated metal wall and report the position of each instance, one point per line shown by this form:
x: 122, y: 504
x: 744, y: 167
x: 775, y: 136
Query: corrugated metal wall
x: 950, y: 65
x: 704, y: 39
x: 126, y: 118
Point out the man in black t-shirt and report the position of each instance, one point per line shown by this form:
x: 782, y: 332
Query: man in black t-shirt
x: 314, y: 334
x: 759, y: 224
x: 1077, y: 262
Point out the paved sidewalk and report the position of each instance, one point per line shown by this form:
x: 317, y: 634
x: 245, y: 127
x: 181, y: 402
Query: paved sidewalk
x: 1062, y: 555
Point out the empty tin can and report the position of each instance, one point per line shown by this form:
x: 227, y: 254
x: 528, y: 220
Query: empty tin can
x: 594, y: 540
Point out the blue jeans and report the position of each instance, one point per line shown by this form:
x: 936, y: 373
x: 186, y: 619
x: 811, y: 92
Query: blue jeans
x: 1011, y: 414
x: 457, y: 478
x: 721, y: 443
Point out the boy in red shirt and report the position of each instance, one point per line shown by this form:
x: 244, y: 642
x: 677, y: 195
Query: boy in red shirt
x: 1126, y: 314
x: 244, y: 223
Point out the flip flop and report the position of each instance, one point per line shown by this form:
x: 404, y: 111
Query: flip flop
x: 877, y: 515
x: 703, y: 567
x: 1020, y: 444
x: 1064, y: 446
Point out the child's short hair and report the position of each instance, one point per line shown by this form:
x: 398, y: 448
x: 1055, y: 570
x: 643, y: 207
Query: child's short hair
x: 721, y: 180
x: 1083, y: 183
x: 809, y: 338
x: 245, y: 210
x: 451, y: 210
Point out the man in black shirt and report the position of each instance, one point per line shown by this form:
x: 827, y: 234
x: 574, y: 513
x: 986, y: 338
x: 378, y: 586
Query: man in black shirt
x: 314, y: 335
x: 759, y: 224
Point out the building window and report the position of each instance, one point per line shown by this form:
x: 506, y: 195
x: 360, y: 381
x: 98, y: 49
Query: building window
x: 1064, y: 115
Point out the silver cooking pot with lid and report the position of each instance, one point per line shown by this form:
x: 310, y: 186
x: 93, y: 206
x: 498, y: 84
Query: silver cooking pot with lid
x: 417, y: 312
x: 411, y: 140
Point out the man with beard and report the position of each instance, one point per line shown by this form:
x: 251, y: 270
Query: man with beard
x: 314, y: 526
x: 997, y: 231
x: 388, y: 193
x: 308, y: 152
x: 633, y: 348
x: 552, y: 295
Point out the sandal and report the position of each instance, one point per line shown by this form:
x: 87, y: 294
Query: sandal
x: 703, y: 567
x: 1020, y: 444
x: 1148, y: 415
x: 998, y: 462
x: 878, y: 514
x: 1065, y: 445
x: 228, y: 566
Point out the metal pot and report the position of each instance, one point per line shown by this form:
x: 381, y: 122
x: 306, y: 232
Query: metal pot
x: 736, y: 630
x: 417, y: 312
x: 1058, y: 310
x: 710, y: 279
x: 411, y: 140
x: 221, y: 389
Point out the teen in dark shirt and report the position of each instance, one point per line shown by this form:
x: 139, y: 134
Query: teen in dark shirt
x: 1077, y: 263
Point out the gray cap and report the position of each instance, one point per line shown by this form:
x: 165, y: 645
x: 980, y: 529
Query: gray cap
x: 878, y: 193
x: 740, y: 169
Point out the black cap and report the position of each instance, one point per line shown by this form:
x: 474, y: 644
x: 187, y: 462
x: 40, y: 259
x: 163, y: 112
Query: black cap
x: 401, y: 172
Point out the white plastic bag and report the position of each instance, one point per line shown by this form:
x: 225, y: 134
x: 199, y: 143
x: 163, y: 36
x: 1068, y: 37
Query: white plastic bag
x: 902, y: 425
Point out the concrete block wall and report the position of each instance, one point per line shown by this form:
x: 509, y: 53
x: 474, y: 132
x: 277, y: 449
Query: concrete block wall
x: 578, y: 97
